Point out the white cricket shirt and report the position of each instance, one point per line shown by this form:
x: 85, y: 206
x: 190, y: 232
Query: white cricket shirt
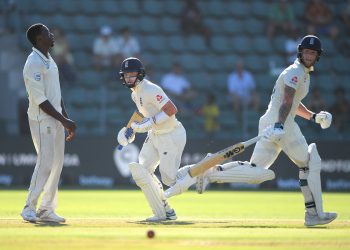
x: 150, y: 99
x: 42, y: 83
x: 295, y: 76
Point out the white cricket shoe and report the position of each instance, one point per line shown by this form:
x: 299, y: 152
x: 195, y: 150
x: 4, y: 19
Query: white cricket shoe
x: 313, y: 220
x: 170, y: 215
x: 28, y: 214
x: 49, y: 216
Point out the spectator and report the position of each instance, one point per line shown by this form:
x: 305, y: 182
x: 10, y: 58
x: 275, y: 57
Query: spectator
x: 340, y: 109
x: 241, y: 88
x: 192, y: 22
x: 210, y: 112
x: 281, y: 17
x: 291, y: 45
x: 319, y: 19
x: 178, y: 88
x: 126, y: 45
x: 105, y: 50
x: 317, y: 102
x: 63, y: 57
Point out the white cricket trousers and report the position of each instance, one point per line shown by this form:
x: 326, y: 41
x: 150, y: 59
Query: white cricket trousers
x: 166, y: 150
x: 293, y: 144
x: 49, y: 141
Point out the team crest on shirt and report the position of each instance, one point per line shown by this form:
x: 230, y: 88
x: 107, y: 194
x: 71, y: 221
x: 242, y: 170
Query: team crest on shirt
x: 37, y: 76
x: 159, y: 98
x: 294, y: 80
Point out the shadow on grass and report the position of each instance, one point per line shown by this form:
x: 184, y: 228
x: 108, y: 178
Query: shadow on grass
x: 180, y: 223
x: 50, y: 224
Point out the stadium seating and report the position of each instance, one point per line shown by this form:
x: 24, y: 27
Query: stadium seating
x: 237, y: 32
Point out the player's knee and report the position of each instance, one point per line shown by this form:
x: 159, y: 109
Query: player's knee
x: 314, y: 158
x: 168, y: 180
x: 140, y: 175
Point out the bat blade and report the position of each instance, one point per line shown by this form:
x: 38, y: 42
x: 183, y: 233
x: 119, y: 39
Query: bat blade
x: 221, y: 156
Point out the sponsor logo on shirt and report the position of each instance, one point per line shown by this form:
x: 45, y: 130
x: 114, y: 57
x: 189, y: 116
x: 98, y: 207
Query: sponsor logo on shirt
x: 159, y: 98
x: 37, y: 76
x: 141, y: 103
x: 294, y: 80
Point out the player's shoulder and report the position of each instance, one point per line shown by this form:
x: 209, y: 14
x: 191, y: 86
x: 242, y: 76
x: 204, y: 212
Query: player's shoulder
x: 150, y: 86
x: 294, y: 69
x: 33, y: 61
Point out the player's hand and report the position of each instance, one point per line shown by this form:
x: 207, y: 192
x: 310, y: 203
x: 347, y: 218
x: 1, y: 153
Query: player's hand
x: 126, y: 136
x: 274, y: 132
x: 142, y: 126
x: 324, y: 118
x: 70, y: 127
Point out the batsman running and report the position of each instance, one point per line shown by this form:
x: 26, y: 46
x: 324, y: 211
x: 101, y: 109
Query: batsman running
x: 165, y: 142
x: 280, y: 132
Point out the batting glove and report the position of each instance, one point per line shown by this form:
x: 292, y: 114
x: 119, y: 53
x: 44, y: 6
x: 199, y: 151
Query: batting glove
x: 142, y: 126
x: 274, y: 133
x: 126, y: 136
x: 323, y: 118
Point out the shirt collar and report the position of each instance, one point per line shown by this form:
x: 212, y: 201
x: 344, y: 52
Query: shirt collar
x: 42, y: 55
x: 306, y: 70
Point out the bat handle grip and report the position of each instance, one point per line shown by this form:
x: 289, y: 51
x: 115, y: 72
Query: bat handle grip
x: 119, y: 147
x: 251, y: 141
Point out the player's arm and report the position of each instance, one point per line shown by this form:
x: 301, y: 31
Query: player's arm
x: 47, y: 107
x: 287, y: 103
x: 304, y: 112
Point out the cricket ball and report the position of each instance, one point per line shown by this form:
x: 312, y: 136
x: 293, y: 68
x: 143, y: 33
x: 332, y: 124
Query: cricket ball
x: 150, y: 234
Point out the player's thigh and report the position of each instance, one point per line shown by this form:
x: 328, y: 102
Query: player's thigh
x: 148, y: 156
x: 59, y: 144
x: 295, y: 146
x: 170, y: 147
x: 265, y: 153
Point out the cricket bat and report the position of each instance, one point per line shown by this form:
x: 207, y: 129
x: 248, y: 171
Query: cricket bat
x: 221, y: 156
x: 136, y: 117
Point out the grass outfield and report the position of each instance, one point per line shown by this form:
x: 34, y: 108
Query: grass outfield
x: 215, y: 220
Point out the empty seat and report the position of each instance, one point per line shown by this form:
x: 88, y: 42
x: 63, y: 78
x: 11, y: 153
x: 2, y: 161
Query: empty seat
x: 232, y: 26
x: 212, y: 63
x: 196, y: 44
x: 111, y: 7
x: 216, y: 8
x: 260, y: 10
x: 238, y: 9
x: 149, y: 24
x: 254, y: 27
x: 256, y: 64
x: 130, y: 7
x: 90, y: 7
x: 189, y: 62
x: 153, y: 7
x: 84, y: 23
x: 241, y: 44
x: 173, y: 8
x: 262, y: 45
x: 177, y: 43
x: 220, y: 44
x: 68, y: 7
x: 169, y: 25
x: 154, y: 43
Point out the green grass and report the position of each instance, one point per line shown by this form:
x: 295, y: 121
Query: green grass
x: 215, y: 220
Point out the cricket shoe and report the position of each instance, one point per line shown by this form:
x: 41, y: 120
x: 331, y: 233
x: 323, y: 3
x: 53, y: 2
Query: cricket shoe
x: 313, y: 220
x: 28, y: 214
x: 49, y: 216
x: 169, y: 215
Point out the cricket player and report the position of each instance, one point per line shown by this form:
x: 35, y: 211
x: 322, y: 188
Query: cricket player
x: 166, y: 138
x: 47, y: 121
x: 281, y: 132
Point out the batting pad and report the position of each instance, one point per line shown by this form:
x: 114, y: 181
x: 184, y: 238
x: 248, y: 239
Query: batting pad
x: 314, y: 178
x: 241, y: 172
x: 152, y: 189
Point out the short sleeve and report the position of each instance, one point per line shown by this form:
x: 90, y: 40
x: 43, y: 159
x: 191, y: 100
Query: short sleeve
x: 156, y: 96
x: 292, y: 79
x: 33, y: 76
